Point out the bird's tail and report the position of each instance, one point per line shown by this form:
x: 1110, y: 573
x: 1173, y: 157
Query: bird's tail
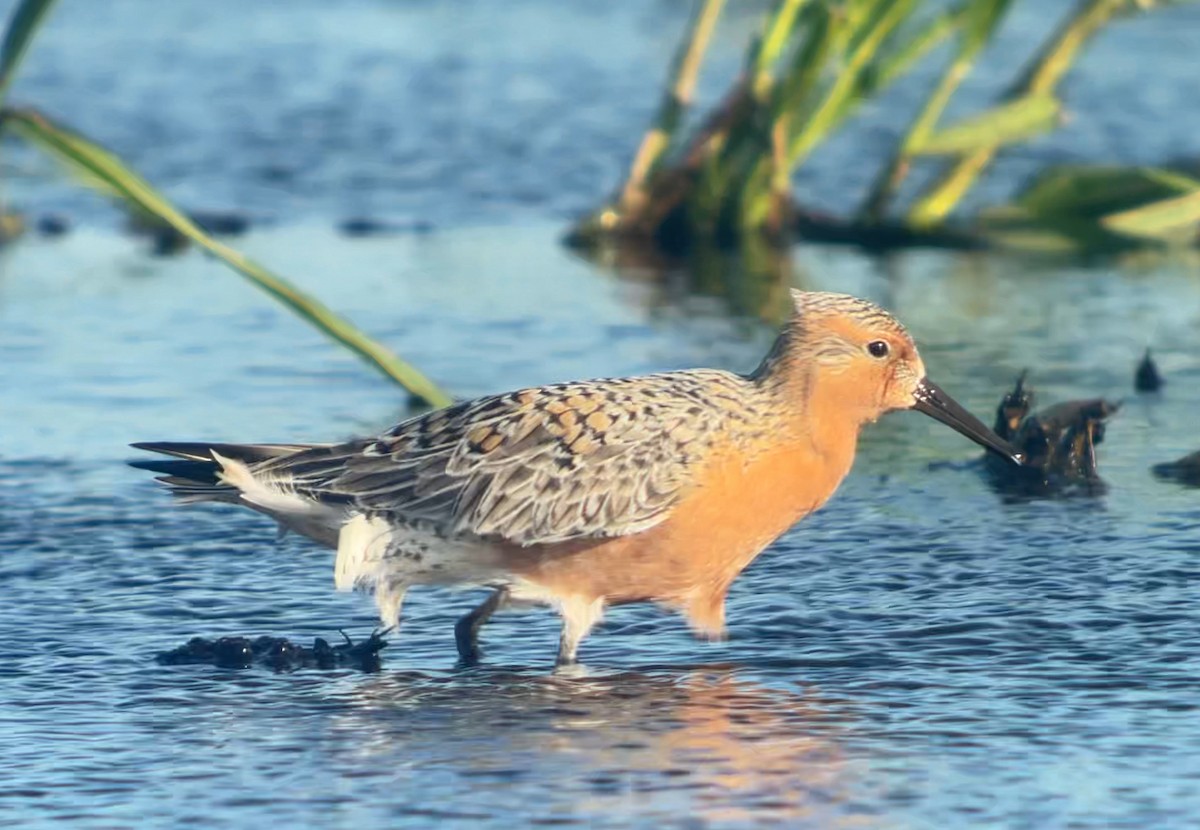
x: 194, y: 470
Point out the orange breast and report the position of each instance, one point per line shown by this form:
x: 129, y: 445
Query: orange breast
x: 739, y: 503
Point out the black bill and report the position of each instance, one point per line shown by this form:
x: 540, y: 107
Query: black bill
x: 941, y: 407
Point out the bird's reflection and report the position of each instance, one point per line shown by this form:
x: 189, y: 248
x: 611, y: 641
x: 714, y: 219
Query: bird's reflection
x: 725, y: 748
x: 752, y: 281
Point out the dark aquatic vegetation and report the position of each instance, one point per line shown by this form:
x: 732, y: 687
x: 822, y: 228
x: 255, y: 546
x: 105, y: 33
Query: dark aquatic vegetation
x: 714, y: 178
x: 166, y: 240
x: 367, y: 226
x: 1185, y: 470
x: 1058, y: 444
x: 1012, y: 410
x: 53, y: 224
x: 1147, y: 377
x: 278, y: 653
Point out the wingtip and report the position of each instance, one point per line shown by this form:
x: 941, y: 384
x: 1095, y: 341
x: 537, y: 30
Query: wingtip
x: 188, y: 450
x: 176, y: 448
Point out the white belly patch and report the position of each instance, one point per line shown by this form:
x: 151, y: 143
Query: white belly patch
x: 373, y: 552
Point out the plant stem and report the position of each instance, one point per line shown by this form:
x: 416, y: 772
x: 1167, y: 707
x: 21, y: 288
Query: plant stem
x: 1041, y: 78
x: 832, y: 109
x: 18, y: 34
x: 971, y: 43
x: 676, y: 99
x: 780, y: 24
x: 103, y: 168
x: 858, y: 37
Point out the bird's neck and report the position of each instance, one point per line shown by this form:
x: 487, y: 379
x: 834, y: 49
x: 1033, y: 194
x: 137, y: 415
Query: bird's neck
x: 777, y: 367
x: 810, y: 402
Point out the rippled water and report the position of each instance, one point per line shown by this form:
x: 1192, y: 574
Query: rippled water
x: 923, y: 653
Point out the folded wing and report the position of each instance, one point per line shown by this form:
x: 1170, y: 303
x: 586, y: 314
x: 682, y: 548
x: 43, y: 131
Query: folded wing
x: 550, y: 464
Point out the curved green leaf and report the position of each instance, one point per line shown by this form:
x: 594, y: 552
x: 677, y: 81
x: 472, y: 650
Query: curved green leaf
x: 934, y: 204
x: 103, y: 167
x: 1015, y: 121
x: 1164, y: 220
x: 1092, y: 192
x: 24, y: 22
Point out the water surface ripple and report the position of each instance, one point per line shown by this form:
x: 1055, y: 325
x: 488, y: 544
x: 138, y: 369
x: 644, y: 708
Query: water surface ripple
x: 922, y: 653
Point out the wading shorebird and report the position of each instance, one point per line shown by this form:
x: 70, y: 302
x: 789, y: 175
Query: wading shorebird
x: 660, y: 488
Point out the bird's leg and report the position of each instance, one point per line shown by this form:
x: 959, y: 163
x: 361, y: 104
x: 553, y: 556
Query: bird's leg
x: 389, y: 597
x: 706, y: 615
x: 466, y: 630
x: 579, y: 615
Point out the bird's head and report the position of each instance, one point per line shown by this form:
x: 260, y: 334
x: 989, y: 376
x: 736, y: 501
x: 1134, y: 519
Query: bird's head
x: 858, y: 357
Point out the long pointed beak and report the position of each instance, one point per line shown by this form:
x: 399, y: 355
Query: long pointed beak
x: 941, y: 407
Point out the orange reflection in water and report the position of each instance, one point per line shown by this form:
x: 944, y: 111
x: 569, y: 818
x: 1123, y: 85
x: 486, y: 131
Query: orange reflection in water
x: 703, y: 743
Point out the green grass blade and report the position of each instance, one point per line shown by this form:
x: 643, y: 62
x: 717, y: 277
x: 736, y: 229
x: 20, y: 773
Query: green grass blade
x: 780, y: 25
x: 1015, y: 121
x: 1106, y: 208
x: 98, y: 164
x: 678, y: 96
x: 1172, y: 179
x: 1092, y: 192
x: 1165, y: 220
x: 762, y: 176
x: 809, y: 62
x: 855, y: 37
x: 978, y: 20
x: 898, y: 59
x: 1053, y: 61
x: 982, y: 19
x: 830, y: 112
x: 22, y: 26
x: 1040, y: 78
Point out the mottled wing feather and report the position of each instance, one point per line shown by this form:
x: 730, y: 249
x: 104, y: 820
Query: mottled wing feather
x: 551, y: 464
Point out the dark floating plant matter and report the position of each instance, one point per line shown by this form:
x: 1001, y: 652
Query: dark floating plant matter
x: 278, y: 653
x: 1058, y: 444
x: 1147, y: 378
x: 1184, y: 470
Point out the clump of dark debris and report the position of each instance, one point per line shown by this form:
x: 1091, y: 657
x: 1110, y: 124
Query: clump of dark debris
x: 1185, y: 470
x: 1147, y: 378
x: 278, y: 653
x: 1058, y: 444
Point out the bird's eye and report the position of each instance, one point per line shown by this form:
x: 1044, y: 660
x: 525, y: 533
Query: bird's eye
x: 878, y: 348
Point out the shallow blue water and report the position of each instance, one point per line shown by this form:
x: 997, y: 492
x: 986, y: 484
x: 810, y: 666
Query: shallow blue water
x: 923, y: 653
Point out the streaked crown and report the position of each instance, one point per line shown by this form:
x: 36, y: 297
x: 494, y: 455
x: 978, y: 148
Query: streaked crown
x: 813, y: 305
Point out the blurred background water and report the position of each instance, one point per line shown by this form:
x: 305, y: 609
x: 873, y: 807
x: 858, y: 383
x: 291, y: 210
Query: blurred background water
x: 922, y: 653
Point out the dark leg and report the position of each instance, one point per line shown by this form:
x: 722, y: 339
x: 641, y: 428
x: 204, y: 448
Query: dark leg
x: 466, y: 630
